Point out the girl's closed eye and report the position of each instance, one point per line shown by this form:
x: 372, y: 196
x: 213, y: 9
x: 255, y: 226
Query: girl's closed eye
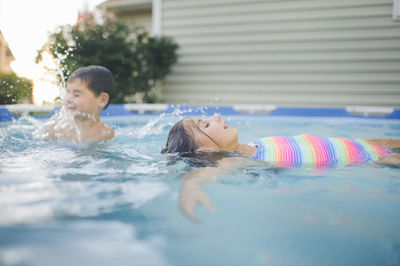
x: 203, y: 123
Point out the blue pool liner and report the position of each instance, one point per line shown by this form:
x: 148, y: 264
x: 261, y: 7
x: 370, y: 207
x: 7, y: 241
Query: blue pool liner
x: 185, y: 110
x: 330, y: 112
x: 394, y: 115
x: 116, y: 110
x: 6, y: 115
x: 200, y: 110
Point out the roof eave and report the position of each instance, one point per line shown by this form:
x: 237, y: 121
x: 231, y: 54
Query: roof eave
x: 126, y: 4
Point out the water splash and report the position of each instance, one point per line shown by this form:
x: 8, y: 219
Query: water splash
x: 179, y: 112
x: 181, y: 109
x: 64, y: 125
x: 149, y: 127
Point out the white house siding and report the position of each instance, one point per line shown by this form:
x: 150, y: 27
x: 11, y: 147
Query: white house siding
x: 282, y: 52
x: 136, y: 13
x: 138, y: 20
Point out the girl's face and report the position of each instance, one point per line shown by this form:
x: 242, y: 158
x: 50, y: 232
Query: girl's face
x: 213, y: 134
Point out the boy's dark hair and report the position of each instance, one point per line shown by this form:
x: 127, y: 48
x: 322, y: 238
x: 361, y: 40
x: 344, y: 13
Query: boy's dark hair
x: 97, y: 78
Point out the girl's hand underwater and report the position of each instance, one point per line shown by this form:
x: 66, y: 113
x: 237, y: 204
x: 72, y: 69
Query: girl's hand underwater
x: 191, y: 195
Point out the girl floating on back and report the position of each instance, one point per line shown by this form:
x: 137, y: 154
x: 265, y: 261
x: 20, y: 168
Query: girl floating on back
x: 191, y: 136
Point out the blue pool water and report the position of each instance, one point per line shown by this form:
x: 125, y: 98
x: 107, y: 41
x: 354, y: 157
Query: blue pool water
x: 116, y: 203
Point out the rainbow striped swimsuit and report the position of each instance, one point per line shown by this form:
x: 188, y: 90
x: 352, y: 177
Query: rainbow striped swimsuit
x: 315, y: 152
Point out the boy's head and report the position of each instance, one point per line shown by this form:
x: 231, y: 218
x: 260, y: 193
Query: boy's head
x: 98, y: 79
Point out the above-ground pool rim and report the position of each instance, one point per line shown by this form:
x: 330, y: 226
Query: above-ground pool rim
x: 13, y: 112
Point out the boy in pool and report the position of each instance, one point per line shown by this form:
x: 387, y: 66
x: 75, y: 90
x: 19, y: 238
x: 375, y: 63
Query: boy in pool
x: 89, y: 91
x: 191, y: 136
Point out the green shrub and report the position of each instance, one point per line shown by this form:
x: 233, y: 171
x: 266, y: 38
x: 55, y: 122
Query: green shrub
x: 136, y: 60
x: 14, y: 89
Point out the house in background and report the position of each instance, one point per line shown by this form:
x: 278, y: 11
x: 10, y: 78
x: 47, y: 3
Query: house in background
x: 132, y: 12
x: 6, y: 56
x: 286, y: 53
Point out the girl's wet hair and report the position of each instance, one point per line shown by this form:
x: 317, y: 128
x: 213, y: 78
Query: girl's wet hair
x: 180, y: 140
x: 182, y: 145
x: 181, y: 137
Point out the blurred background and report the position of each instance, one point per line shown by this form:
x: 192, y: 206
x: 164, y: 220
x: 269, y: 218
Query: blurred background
x: 309, y: 53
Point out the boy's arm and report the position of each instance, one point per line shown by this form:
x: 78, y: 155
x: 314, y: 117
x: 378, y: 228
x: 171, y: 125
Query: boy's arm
x: 49, y: 133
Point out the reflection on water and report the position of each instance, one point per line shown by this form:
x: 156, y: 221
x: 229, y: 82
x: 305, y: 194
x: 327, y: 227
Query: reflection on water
x: 69, y: 182
x: 80, y: 243
x: 115, y: 203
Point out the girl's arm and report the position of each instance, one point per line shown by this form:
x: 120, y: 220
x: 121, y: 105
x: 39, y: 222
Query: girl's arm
x: 192, y: 194
x: 385, y: 143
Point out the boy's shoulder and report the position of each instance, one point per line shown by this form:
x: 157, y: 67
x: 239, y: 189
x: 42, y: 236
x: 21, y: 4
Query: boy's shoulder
x: 60, y: 130
x: 104, y: 132
x: 107, y: 132
x: 98, y: 132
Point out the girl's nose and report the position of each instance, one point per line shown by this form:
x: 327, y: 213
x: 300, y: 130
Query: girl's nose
x: 216, y: 117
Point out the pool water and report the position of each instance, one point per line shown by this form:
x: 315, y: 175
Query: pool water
x: 116, y: 203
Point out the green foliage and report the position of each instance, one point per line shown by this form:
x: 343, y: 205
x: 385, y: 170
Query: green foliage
x: 14, y: 89
x: 136, y: 60
x: 154, y: 57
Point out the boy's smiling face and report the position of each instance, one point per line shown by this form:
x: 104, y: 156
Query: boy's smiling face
x: 80, y: 98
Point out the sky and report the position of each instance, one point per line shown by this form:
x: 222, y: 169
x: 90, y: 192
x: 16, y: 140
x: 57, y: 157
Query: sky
x: 25, y: 25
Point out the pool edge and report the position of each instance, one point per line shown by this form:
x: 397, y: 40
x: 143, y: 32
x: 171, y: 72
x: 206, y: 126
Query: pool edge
x: 7, y: 112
